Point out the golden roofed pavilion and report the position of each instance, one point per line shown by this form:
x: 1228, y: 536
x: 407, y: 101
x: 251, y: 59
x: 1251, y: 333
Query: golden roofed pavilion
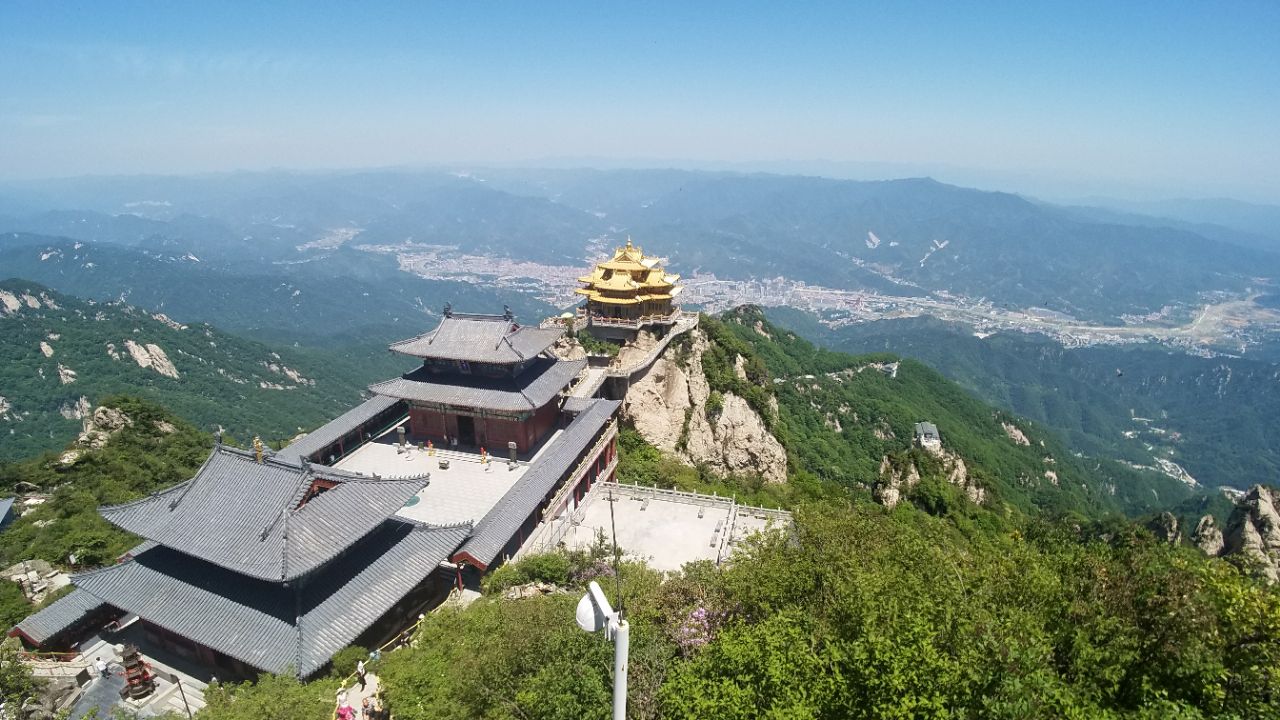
x: 630, y: 290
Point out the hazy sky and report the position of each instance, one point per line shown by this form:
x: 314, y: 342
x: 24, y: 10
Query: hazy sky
x: 1169, y: 98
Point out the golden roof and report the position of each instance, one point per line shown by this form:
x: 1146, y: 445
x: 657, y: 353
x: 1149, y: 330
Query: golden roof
x: 629, y: 271
x: 628, y: 258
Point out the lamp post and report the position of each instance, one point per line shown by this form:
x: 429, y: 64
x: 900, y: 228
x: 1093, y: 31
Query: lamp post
x: 595, y: 613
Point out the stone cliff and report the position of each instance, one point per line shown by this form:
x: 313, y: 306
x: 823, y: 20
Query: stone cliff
x: 896, y: 482
x: 673, y: 407
x: 1253, y: 532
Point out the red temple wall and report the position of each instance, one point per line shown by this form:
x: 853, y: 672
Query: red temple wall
x: 491, y: 433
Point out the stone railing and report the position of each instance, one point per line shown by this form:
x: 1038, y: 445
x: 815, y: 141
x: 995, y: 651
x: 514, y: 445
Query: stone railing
x: 629, y: 323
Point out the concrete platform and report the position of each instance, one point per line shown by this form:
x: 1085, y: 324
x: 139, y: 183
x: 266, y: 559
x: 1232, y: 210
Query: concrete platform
x: 665, y: 528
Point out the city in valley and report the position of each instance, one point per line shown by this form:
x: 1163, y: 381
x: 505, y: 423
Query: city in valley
x: 1221, y: 324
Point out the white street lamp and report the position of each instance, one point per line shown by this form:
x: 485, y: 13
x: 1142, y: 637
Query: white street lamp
x: 595, y: 613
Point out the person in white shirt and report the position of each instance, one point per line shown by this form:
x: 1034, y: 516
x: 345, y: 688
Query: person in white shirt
x: 102, y: 667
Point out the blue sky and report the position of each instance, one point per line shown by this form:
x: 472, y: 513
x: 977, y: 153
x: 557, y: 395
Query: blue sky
x: 1137, y: 99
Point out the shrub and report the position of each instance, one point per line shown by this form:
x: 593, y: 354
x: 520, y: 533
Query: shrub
x: 344, y: 661
x: 715, y: 404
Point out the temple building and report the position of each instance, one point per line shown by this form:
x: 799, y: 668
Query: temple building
x: 260, y: 564
x: 484, y: 382
x: 628, y: 292
x: 274, y: 561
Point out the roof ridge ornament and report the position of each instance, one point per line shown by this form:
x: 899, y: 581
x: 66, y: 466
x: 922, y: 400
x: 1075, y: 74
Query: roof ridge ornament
x: 448, y: 310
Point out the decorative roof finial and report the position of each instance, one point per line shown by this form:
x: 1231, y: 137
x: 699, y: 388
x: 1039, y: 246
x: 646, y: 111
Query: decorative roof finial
x: 257, y: 448
x: 506, y: 313
x: 628, y: 239
x: 448, y: 310
x: 217, y: 436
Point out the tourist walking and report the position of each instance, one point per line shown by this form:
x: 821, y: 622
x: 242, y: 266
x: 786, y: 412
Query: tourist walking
x: 360, y: 674
x: 103, y: 670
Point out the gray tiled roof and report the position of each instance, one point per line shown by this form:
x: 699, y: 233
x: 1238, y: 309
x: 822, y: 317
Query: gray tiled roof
x: 927, y: 429
x: 58, y: 616
x: 500, y: 524
x: 330, y: 432
x: 244, y: 516
x: 575, y: 405
x: 272, y: 626
x: 480, y: 338
x: 530, y: 390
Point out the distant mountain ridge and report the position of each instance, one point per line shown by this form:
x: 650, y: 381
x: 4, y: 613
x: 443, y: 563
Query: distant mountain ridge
x: 914, y: 235
x: 345, y: 296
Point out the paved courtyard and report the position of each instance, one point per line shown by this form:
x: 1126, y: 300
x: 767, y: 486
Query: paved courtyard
x: 462, y: 493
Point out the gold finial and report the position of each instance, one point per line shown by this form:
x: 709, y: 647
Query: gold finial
x: 628, y: 240
x: 257, y: 448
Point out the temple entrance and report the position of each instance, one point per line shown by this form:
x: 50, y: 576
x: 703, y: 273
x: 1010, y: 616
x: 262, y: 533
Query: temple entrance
x: 466, y: 430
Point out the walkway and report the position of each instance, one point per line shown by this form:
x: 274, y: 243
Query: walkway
x: 590, y: 383
x: 356, y: 696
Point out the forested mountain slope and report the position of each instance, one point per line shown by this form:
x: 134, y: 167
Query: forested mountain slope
x: 345, y: 298
x: 841, y: 417
x: 1215, y: 417
x: 60, y: 355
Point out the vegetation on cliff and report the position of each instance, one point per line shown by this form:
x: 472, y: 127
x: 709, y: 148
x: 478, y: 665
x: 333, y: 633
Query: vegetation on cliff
x: 154, y: 450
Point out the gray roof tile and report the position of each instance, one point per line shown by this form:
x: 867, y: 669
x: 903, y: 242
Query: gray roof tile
x: 273, y: 626
x: 330, y: 432
x: 499, y: 525
x: 530, y: 390
x: 244, y: 516
x: 58, y: 616
x: 480, y: 338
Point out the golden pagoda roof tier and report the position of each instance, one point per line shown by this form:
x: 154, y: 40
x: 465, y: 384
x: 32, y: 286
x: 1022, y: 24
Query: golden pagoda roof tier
x: 632, y: 300
x: 596, y: 297
x: 628, y: 278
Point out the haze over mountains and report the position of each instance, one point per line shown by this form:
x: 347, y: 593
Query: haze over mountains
x: 343, y: 261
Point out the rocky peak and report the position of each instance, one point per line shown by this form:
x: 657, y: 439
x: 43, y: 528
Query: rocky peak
x: 1253, y: 531
x: 668, y: 407
x: 1207, y: 536
x: 895, y: 482
x: 1165, y: 527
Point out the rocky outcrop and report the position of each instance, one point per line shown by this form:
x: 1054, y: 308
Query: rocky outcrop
x: 1165, y: 527
x: 567, y: 348
x: 46, y: 349
x: 1207, y: 536
x: 1253, y: 532
x: 101, y: 426
x: 636, y: 351
x: 958, y: 475
x: 668, y: 407
x: 9, y: 303
x: 151, y: 356
x: 77, y: 410
x: 66, y: 375
x: 1015, y: 434
x: 896, y: 482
